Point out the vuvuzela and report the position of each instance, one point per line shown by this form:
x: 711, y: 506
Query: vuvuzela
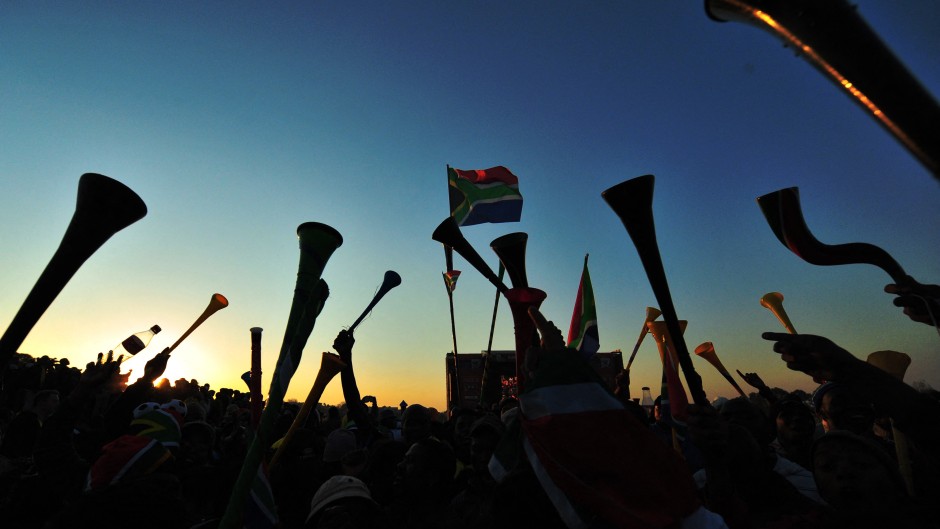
x: 104, y: 207
x: 895, y: 364
x: 216, y: 303
x: 707, y: 351
x: 773, y: 301
x: 651, y: 314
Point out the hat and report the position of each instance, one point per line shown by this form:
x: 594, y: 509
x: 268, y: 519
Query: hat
x: 128, y: 456
x: 337, y: 488
x: 175, y: 405
x: 145, y: 408
x: 162, y: 425
x: 338, y: 443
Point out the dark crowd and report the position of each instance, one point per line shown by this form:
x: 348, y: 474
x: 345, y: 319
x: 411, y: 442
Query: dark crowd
x: 86, y: 448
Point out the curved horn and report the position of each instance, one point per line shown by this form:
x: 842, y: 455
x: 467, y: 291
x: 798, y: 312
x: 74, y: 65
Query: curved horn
x: 390, y: 281
x: 216, y: 303
x: 104, y: 207
x: 330, y: 366
x: 448, y: 234
x: 785, y: 216
x: 834, y: 38
x: 510, y: 249
x: 707, y: 351
x: 632, y: 201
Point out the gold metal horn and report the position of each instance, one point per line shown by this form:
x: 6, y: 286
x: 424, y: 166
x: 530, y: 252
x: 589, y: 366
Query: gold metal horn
x: 773, y: 301
x: 706, y: 350
x: 834, y: 38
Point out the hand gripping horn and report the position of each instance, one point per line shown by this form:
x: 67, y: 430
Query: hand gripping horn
x: 520, y: 298
x: 707, y: 351
x: 390, y: 281
x: 104, y: 207
x: 834, y: 38
x: 216, y: 303
x: 785, y: 217
x: 510, y: 249
x: 317, y: 244
x: 773, y: 301
x: 632, y: 201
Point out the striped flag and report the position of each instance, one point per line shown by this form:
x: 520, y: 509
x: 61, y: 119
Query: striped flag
x: 484, y: 195
x: 450, y: 279
x: 570, y: 425
x: 582, y: 334
x: 260, y: 509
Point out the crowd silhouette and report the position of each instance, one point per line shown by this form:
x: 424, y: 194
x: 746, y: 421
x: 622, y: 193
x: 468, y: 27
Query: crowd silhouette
x: 86, y: 448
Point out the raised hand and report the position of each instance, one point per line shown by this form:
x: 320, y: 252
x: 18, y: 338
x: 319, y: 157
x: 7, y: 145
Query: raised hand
x: 343, y: 344
x: 921, y: 302
x: 155, y: 367
x: 814, y: 355
x: 753, y: 379
x: 100, y: 371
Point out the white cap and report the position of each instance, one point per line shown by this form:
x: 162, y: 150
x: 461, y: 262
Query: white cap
x: 336, y: 488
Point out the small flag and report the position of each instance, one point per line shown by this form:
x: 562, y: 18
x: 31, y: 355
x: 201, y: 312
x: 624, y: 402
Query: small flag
x: 484, y: 195
x: 582, y: 334
x: 450, y: 278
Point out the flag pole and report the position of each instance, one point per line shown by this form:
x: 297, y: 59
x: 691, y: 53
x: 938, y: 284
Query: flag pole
x: 450, y: 299
x: 485, y: 382
x: 449, y: 262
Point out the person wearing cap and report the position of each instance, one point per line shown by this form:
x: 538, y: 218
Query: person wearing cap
x: 344, y: 502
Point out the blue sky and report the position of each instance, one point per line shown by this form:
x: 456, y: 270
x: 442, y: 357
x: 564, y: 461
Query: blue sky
x: 236, y: 122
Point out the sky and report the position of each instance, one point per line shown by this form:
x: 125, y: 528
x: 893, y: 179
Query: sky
x: 237, y: 121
